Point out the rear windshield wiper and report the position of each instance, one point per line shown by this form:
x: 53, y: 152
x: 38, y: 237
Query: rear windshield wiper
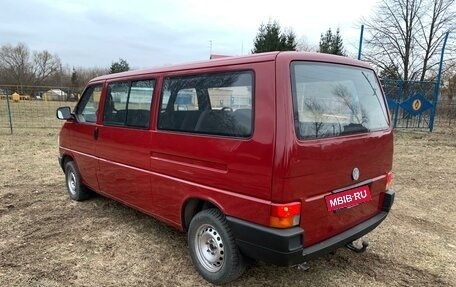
x: 370, y: 84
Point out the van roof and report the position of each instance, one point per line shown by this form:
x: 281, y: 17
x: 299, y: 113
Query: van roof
x: 260, y: 57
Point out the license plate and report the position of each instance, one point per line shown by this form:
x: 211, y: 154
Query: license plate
x: 348, y: 198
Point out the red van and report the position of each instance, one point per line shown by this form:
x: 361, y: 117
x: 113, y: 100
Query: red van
x: 279, y: 157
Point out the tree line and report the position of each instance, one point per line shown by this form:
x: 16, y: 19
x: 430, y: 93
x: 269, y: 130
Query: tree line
x: 403, y: 40
x: 271, y: 37
x: 21, y: 67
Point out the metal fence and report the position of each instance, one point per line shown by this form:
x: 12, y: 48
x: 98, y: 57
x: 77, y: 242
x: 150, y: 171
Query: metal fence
x: 418, y: 105
x: 34, y: 108
x: 446, y: 112
x: 412, y: 103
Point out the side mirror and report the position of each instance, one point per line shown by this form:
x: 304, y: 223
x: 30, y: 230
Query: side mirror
x: 63, y: 113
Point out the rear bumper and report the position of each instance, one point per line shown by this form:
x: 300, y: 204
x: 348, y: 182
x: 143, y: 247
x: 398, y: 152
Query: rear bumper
x: 284, y: 247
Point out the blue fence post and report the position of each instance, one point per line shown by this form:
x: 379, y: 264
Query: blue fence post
x: 399, y: 99
x: 437, y: 85
x: 360, y: 42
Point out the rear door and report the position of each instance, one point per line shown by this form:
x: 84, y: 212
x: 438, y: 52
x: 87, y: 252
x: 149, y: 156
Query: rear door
x: 340, y: 140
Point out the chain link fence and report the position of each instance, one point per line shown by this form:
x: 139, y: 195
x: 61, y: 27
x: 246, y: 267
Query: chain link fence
x: 33, y: 107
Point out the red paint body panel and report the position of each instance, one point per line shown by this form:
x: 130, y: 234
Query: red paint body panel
x: 308, y: 170
x: 123, y: 164
x: 157, y: 171
x: 238, y: 166
x: 83, y: 145
x: 322, y: 166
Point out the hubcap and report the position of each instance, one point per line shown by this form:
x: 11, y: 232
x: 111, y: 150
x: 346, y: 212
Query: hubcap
x: 71, y: 183
x: 209, y: 247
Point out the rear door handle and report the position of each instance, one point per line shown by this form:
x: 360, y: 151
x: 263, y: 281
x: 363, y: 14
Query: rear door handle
x: 95, y: 133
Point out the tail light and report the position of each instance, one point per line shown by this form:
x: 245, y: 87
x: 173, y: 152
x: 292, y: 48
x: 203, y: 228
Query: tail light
x: 285, y: 215
x: 389, y: 180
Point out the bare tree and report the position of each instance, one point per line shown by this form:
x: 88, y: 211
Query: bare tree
x: 18, y: 67
x: 437, y: 20
x: 304, y: 46
x: 15, y: 64
x: 83, y: 75
x: 45, y: 66
x: 407, y: 34
x: 449, y: 89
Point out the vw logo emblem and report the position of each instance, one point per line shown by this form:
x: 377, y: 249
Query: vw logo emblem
x: 355, y: 173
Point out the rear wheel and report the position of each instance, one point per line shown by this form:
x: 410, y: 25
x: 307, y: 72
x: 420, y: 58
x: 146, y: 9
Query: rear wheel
x: 213, y: 249
x: 76, y: 190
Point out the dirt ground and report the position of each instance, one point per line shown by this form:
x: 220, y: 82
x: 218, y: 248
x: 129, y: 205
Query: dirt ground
x: 48, y: 240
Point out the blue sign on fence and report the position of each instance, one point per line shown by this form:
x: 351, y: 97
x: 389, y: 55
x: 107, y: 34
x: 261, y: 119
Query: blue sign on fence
x: 416, y: 104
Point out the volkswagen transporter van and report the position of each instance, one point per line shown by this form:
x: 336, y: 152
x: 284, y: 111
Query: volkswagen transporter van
x: 280, y: 157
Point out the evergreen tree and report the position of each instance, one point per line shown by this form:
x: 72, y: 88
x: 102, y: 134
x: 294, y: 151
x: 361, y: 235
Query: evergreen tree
x: 271, y: 38
x: 332, y: 43
x: 74, y: 78
x: 338, y: 44
x: 291, y: 44
x: 120, y: 66
x: 326, y: 42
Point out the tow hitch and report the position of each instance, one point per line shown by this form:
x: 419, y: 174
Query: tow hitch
x: 304, y: 266
x: 357, y: 249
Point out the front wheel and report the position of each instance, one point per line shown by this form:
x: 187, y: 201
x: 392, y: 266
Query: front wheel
x: 213, y: 250
x: 76, y: 189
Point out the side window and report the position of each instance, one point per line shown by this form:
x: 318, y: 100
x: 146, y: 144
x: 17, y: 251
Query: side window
x: 129, y: 104
x: 87, y: 108
x: 115, y: 109
x: 217, y: 104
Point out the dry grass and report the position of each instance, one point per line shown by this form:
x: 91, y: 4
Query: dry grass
x: 48, y: 240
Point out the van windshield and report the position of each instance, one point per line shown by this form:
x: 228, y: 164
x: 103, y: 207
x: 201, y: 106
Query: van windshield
x: 334, y: 100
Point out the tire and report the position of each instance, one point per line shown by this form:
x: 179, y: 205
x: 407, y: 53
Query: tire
x: 76, y: 190
x: 212, y: 247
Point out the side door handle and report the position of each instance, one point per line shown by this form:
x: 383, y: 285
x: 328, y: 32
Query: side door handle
x: 95, y: 133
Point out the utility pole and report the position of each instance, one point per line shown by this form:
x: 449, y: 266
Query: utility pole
x: 210, y: 48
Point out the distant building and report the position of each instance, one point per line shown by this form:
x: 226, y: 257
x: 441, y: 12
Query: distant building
x: 55, y: 95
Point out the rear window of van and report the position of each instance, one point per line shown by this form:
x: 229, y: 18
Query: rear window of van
x: 334, y: 100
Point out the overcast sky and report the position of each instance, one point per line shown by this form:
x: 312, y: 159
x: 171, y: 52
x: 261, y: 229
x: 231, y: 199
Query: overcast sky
x: 148, y: 33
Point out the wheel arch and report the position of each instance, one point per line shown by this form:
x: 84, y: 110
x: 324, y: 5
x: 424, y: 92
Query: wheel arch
x: 192, y: 206
x: 65, y: 158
